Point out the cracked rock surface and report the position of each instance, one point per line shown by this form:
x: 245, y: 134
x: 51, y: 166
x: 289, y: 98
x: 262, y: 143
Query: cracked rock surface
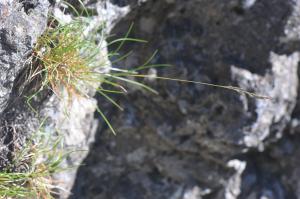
x: 191, y: 141
x: 200, y: 142
x: 21, y: 23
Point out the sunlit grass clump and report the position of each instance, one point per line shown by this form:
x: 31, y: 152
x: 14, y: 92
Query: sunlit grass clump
x: 68, y: 59
x: 39, y: 159
x: 68, y: 56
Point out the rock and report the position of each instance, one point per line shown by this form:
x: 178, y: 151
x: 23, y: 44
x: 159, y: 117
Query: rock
x: 17, y: 39
x: 74, y: 119
x: 21, y: 23
x: 184, y: 138
x: 272, y: 116
x: 233, y: 188
x: 191, y: 141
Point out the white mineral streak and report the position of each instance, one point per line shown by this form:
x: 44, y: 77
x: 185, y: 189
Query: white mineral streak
x: 111, y: 13
x: 248, y: 3
x: 233, y: 188
x: 280, y: 87
x: 193, y: 192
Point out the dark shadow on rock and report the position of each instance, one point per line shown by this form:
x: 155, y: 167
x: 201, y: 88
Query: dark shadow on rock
x: 170, y: 144
x: 273, y: 173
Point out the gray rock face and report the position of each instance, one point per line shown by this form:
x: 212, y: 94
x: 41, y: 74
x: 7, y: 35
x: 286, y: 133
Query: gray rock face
x: 21, y: 22
x: 20, y: 25
x: 195, y: 141
x: 191, y: 141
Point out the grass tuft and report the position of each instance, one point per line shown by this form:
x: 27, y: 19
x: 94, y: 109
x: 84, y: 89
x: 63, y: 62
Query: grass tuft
x: 68, y: 58
x: 40, y: 158
x: 65, y: 58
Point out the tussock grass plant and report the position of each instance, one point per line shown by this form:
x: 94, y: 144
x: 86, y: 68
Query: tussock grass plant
x: 40, y: 158
x: 65, y: 56
x: 68, y: 57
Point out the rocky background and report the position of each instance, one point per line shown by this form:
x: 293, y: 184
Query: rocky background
x: 191, y: 141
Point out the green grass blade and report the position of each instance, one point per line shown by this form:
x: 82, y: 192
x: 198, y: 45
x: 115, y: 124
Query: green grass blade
x: 110, y: 91
x: 72, y: 7
x: 84, y: 8
x: 151, y: 66
x: 126, y: 36
x: 122, y: 40
x: 111, y: 100
x: 134, y: 83
x: 106, y: 120
x: 150, y: 58
x: 122, y: 57
x: 115, y: 85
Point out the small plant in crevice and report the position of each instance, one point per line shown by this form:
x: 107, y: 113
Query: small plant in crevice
x: 65, y: 57
x: 70, y: 57
x: 36, y: 162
